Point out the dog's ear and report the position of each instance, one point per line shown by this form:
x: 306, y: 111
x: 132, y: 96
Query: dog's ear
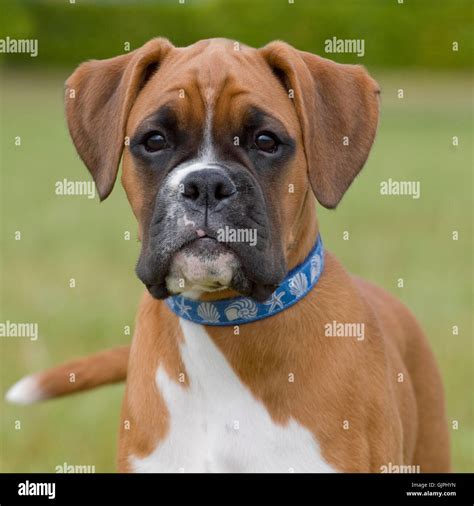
x: 338, y: 108
x: 99, y: 97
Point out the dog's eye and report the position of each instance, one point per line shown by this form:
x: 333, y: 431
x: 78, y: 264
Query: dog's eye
x: 155, y: 142
x: 266, y: 142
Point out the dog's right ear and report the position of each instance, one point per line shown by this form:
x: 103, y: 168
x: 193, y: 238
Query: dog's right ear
x: 99, y: 97
x: 338, y: 108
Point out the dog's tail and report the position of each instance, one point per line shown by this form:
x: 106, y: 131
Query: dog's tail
x: 108, y: 366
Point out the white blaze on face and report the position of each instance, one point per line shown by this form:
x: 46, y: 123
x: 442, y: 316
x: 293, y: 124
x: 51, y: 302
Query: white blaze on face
x: 196, y: 272
x: 207, y: 151
x: 206, y: 158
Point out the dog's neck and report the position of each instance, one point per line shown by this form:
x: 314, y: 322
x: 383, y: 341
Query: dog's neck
x: 240, y: 310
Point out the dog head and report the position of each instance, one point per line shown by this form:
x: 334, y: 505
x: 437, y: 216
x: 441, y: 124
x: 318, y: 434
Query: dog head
x: 222, y: 145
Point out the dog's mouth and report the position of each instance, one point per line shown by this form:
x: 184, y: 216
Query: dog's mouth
x: 203, y: 264
x: 196, y: 261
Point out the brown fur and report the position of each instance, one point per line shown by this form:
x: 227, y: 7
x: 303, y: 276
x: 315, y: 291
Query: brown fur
x: 337, y: 379
x: 102, y: 368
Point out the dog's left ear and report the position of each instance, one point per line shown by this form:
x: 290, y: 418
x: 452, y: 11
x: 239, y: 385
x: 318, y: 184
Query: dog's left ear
x: 99, y: 97
x: 338, y: 107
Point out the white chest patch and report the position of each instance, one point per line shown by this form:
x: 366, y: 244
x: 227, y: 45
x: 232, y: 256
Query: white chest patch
x: 217, y: 425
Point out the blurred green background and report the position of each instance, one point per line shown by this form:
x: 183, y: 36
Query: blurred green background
x: 408, y: 46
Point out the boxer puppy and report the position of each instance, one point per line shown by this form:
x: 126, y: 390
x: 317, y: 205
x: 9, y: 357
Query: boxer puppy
x: 238, y: 361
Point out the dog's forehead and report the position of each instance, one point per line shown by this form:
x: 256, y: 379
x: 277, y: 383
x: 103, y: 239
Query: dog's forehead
x: 209, y: 74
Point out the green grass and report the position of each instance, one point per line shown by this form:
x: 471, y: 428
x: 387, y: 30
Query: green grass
x: 73, y: 237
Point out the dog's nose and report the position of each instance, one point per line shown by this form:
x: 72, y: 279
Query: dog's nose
x: 207, y: 188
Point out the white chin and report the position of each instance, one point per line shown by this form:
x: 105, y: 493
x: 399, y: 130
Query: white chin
x: 196, y: 272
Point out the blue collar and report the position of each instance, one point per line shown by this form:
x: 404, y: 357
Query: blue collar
x: 238, y: 310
